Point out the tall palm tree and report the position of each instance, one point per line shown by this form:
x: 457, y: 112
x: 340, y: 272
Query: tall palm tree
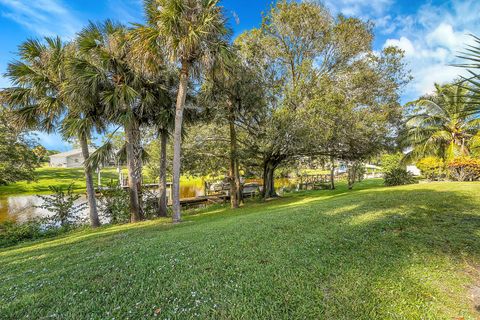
x: 189, y: 31
x: 441, y: 124
x: 41, y: 102
x: 106, y: 68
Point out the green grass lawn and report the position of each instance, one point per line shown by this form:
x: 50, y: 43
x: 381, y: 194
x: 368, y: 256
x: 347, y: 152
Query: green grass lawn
x: 409, y: 252
x: 60, y: 177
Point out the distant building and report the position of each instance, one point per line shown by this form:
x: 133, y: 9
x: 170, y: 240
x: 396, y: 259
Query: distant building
x: 69, y: 159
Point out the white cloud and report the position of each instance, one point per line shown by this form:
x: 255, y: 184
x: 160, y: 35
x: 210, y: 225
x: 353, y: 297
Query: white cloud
x: 443, y: 35
x: 403, y: 43
x: 43, y: 17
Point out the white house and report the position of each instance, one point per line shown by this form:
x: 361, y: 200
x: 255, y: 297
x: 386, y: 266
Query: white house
x: 69, y: 159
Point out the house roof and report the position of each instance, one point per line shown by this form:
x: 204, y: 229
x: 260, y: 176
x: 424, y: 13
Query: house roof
x: 70, y: 153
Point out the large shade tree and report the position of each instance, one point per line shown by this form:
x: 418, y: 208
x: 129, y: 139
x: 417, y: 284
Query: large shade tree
x: 297, y: 45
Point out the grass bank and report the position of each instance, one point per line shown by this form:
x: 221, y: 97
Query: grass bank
x: 408, y: 252
x: 59, y: 177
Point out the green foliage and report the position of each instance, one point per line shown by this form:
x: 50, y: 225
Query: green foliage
x: 390, y: 161
x: 17, y: 160
x: 399, y: 177
x: 442, y: 124
x: 464, y: 168
x: 432, y: 168
x: 62, y: 204
x: 12, y: 233
x: 113, y: 203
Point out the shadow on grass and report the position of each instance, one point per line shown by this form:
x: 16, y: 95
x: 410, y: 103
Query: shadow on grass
x: 335, y: 255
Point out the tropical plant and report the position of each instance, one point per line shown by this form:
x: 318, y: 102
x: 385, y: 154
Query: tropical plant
x: 441, y: 124
x: 398, y: 177
x: 472, y: 82
x: 432, y: 168
x: 464, y: 168
x: 190, y: 32
x: 40, y: 101
x: 105, y: 68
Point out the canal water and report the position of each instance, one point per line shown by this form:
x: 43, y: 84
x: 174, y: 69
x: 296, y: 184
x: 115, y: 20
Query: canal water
x: 21, y: 208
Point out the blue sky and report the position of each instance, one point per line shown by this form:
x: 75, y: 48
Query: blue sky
x: 430, y: 32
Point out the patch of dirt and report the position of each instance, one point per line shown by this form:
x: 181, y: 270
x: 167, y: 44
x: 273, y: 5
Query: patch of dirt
x: 474, y: 296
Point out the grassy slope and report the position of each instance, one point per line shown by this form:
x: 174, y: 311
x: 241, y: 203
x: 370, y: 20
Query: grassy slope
x: 61, y: 177
x: 387, y: 253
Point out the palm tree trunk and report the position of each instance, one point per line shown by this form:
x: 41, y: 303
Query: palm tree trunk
x: 234, y: 174
x: 162, y: 184
x: 135, y: 214
x: 332, y: 173
x: 177, y: 139
x: 92, y: 202
x: 138, y: 162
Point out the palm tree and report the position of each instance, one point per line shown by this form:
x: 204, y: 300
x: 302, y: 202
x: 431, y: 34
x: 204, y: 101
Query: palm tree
x: 472, y: 58
x: 41, y: 102
x: 190, y: 32
x: 441, y: 124
x: 105, y: 67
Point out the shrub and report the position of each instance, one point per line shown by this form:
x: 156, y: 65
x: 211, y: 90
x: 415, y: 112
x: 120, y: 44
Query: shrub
x: 464, y: 168
x: 398, y: 177
x: 113, y: 203
x: 432, y: 168
x: 11, y: 232
x: 62, y: 204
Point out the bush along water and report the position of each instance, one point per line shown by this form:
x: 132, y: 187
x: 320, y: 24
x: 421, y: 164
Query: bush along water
x: 113, y: 203
x: 65, y: 215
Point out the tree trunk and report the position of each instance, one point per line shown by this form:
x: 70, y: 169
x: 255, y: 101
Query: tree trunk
x: 137, y: 147
x: 177, y: 139
x: 351, y: 172
x: 332, y: 173
x: 269, y: 180
x: 135, y: 212
x: 162, y: 184
x: 92, y: 202
x: 234, y: 172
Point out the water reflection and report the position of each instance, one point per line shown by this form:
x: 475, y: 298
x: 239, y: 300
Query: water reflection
x: 22, y: 208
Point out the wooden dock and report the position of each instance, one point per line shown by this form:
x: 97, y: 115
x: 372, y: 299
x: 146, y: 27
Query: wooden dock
x: 217, y: 194
x: 314, y: 182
